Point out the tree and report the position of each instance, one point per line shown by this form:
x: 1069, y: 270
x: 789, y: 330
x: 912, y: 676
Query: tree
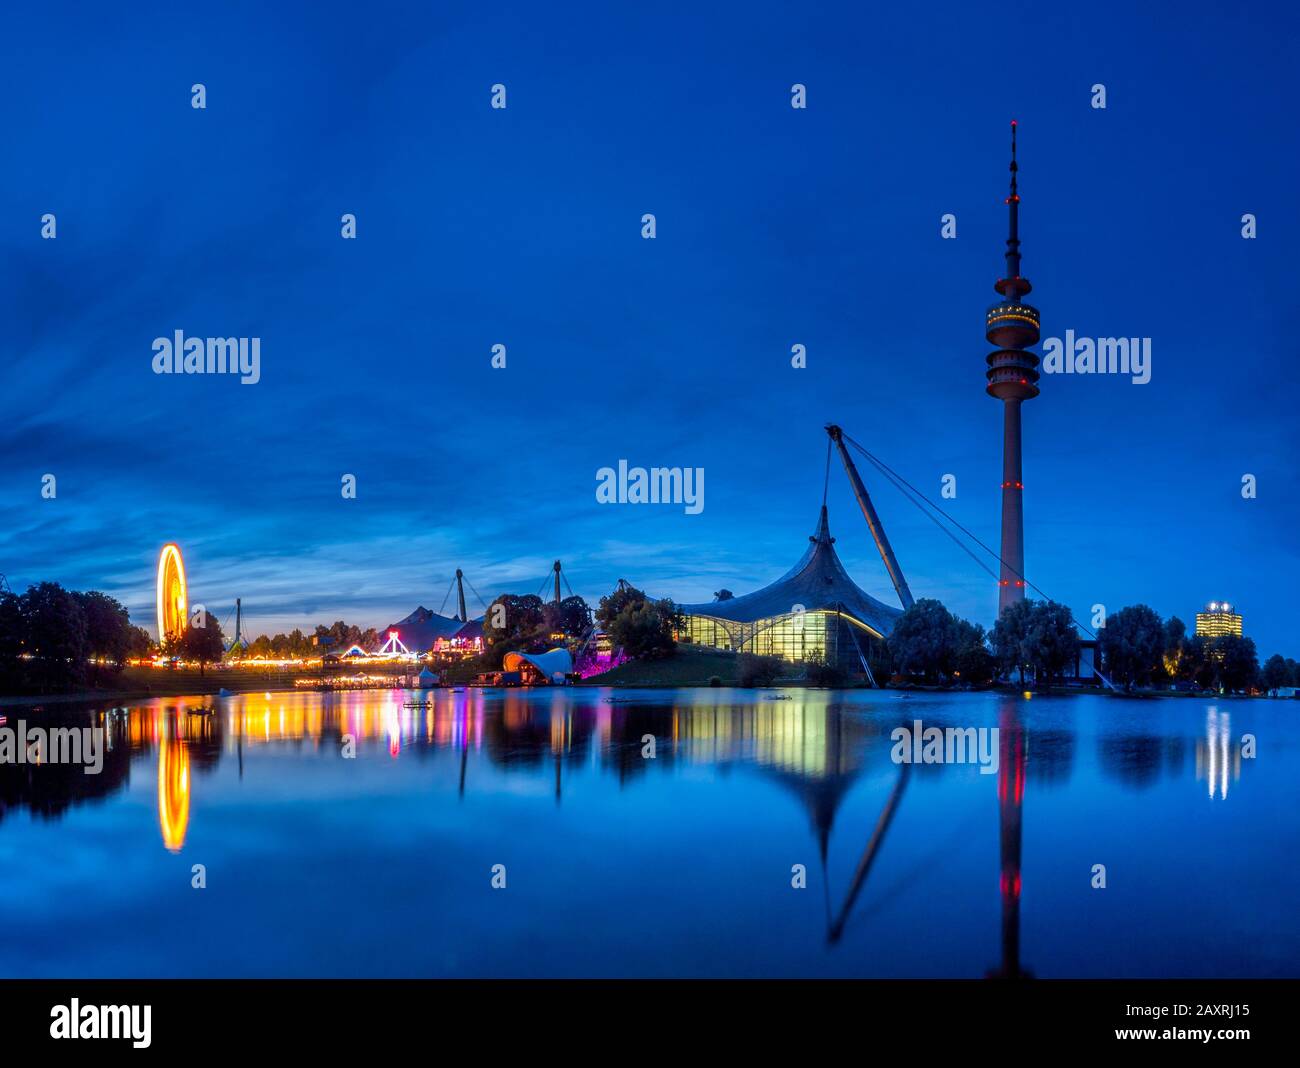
x: 613, y: 603
x: 299, y: 644
x: 108, y: 630
x: 1175, y: 646
x: 1011, y: 637
x: 139, y: 644
x: 1038, y: 637
x: 924, y: 640
x: 54, y: 634
x: 49, y: 635
x: 1275, y: 673
x: 12, y: 635
x: 930, y: 641
x: 1238, y: 662
x: 975, y: 664
x: 203, y: 643
x: 571, y: 617
x: 644, y: 629
x: 1132, y: 646
x: 340, y: 636
x: 1197, y: 664
x: 1053, y: 641
x: 514, y: 619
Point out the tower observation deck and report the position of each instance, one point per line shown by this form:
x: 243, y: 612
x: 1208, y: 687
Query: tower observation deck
x: 1012, y: 325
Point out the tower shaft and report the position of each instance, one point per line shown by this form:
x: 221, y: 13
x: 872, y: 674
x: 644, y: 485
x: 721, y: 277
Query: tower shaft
x: 1011, y: 581
x: 1012, y: 325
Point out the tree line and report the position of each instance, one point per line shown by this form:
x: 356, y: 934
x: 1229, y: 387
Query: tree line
x: 297, y: 645
x: 641, y: 626
x: 1037, y: 641
x: 53, y: 639
x: 1031, y: 641
x: 1139, y: 649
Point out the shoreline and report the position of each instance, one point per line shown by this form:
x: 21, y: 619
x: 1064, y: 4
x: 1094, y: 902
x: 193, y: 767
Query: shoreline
x: 137, y: 694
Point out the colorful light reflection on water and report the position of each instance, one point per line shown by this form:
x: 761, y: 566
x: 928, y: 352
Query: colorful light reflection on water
x: 354, y: 833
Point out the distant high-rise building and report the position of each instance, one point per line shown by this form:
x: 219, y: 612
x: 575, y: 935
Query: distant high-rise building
x: 1012, y: 325
x: 1217, y: 620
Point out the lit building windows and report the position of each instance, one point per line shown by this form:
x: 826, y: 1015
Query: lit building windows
x: 1217, y: 620
x: 807, y: 636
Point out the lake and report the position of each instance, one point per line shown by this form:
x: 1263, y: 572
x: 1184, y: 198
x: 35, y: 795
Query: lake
x: 655, y: 833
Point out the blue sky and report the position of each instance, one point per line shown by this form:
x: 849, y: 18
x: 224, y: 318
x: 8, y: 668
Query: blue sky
x: 522, y: 227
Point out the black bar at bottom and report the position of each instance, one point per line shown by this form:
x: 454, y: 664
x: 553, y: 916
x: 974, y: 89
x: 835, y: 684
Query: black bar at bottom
x: 333, y: 1016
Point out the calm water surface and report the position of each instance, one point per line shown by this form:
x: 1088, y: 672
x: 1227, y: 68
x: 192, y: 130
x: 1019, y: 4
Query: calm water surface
x: 679, y: 865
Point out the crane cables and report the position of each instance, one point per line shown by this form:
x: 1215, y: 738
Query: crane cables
x: 447, y: 595
x: 922, y: 502
x: 917, y: 498
x: 475, y: 593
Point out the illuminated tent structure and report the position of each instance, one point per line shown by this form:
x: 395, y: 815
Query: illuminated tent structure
x: 470, y: 630
x: 422, y: 628
x: 812, y: 612
x: 554, y: 664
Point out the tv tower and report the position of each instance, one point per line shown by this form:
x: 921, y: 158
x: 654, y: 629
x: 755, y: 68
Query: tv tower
x: 1012, y: 325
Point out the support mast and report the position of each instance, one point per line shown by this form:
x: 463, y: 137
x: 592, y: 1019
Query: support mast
x: 873, y: 520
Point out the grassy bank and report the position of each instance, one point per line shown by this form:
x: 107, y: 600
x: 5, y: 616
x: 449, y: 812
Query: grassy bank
x: 690, y: 667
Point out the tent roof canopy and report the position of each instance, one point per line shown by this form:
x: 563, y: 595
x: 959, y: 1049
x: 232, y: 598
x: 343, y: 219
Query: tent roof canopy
x: 818, y: 582
x: 422, y: 628
x: 550, y: 663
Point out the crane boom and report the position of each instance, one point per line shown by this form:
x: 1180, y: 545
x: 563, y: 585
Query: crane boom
x: 873, y: 520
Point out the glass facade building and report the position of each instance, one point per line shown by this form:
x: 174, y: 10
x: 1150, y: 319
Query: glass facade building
x: 815, y: 612
x: 832, y: 637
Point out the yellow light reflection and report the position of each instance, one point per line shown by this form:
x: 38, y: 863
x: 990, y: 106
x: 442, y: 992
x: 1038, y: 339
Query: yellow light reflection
x: 173, y: 792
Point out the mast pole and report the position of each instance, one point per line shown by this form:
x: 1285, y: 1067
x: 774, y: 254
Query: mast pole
x: 873, y: 521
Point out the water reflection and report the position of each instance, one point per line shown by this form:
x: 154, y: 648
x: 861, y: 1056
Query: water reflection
x: 1215, y: 754
x: 1013, y: 755
x: 813, y: 743
x: 173, y: 789
x: 819, y: 757
x: 48, y: 791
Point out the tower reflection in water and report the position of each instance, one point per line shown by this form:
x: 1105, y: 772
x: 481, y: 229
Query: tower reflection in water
x: 1013, y: 744
x: 1216, y: 753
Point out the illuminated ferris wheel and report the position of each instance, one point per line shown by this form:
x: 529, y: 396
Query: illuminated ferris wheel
x: 172, y: 600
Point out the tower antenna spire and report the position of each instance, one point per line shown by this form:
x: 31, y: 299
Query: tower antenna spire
x: 1013, y: 212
